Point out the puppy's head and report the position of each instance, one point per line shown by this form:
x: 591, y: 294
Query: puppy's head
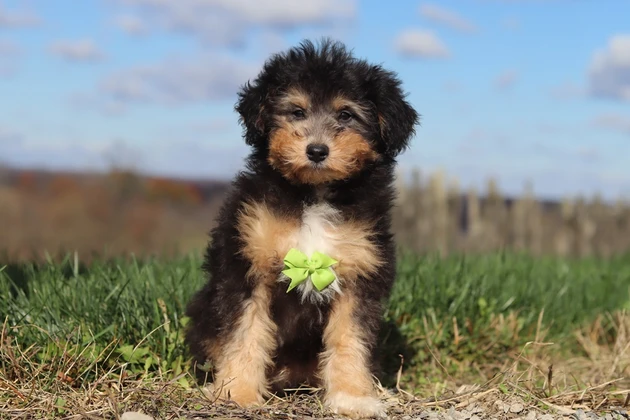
x: 321, y: 115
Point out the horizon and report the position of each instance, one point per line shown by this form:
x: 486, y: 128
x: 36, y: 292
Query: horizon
x: 520, y: 91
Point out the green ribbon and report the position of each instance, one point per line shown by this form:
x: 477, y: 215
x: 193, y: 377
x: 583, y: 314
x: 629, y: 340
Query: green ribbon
x: 300, y: 267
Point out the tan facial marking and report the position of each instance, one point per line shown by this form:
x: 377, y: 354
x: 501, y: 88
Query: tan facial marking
x: 296, y: 98
x: 349, y: 153
x: 349, y: 150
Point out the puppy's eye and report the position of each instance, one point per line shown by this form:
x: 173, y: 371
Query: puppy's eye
x: 345, y: 116
x: 298, y: 114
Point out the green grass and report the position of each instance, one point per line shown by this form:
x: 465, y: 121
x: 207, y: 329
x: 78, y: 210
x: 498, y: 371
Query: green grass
x: 130, y: 313
x: 473, y: 287
x: 481, y: 310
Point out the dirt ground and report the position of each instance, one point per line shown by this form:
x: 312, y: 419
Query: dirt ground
x: 478, y: 404
x: 165, y: 401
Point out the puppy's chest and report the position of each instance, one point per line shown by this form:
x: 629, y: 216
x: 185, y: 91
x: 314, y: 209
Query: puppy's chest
x: 321, y: 230
x: 268, y: 237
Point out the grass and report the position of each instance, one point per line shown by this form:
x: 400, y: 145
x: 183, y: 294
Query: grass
x: 475, y: 309
x: 103, y: 338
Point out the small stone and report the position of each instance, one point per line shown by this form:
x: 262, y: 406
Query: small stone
x: 475, y: 417
x: 456, y: 415
x: 406, y: 418
x: 531, y: 415
x: 546, y: 417
x: 465, y: 414
x: 516, y: 408
x: 134, y: 415
x: 474, y: 408
x: 579, y: 414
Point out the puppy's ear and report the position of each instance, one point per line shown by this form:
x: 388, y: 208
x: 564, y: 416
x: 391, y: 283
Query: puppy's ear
x: 250, y: 107
x: 396, y: 117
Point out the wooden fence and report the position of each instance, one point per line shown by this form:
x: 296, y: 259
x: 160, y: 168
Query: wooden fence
x: 431, y: 216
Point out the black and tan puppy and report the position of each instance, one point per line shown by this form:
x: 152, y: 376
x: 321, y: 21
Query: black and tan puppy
x: 302, y: 257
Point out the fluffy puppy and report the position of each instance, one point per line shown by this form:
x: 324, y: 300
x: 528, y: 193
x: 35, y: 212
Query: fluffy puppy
x: 325, y: 129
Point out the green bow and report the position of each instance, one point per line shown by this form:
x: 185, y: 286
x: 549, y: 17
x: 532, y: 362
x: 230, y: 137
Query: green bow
x: 300, y: 267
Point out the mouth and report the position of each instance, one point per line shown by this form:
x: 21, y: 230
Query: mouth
x: 318, y: 166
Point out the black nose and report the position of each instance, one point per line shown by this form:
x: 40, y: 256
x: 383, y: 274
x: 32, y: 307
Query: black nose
x: 317, y: 152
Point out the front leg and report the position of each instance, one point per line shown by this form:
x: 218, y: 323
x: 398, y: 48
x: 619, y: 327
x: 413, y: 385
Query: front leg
x: 243, y: 358
x: 345, y: 362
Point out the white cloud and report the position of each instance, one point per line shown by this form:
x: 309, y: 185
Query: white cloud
x: 420, y: 43
x: 506, y: 80
x: 226, y: 21
x: 609, y: 73
x: 268, y: 12
x: 131, y: 24
x: 587, y: 153
x: 179, y: 80
x: 9, y: 137
x: 283, y: 13
x: 181, y: 158
x: 107, y: 106
x: 615, y: 122
x: 76, y: 50
x: 17, y: 149
x: 17, y: 19
x: 195, y: 159
x: 446, y: 17
x: 55, y: 156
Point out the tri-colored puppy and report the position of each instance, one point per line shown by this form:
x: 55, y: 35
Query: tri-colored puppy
x: 302, y: 257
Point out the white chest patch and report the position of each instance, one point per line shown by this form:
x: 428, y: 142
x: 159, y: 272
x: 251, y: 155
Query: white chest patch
x: 318, y: 233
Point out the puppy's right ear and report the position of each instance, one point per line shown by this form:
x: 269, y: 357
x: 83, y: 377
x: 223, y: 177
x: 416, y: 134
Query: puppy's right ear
x: 250, y: 107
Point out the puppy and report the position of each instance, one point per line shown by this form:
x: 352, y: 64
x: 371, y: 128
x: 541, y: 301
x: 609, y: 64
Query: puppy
x: 302, y: 257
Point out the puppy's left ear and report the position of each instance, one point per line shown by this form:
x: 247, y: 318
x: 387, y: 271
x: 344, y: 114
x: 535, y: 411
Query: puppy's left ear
x: 396, y: 117
x: 250, y: 107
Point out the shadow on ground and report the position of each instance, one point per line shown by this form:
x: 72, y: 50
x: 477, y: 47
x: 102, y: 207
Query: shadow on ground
x: 392, y: 345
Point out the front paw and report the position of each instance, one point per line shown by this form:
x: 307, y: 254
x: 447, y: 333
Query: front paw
x: 356, y: 407
x: 241, y: 393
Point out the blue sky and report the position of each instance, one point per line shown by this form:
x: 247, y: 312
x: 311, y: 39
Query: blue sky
x: 520, y: 90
